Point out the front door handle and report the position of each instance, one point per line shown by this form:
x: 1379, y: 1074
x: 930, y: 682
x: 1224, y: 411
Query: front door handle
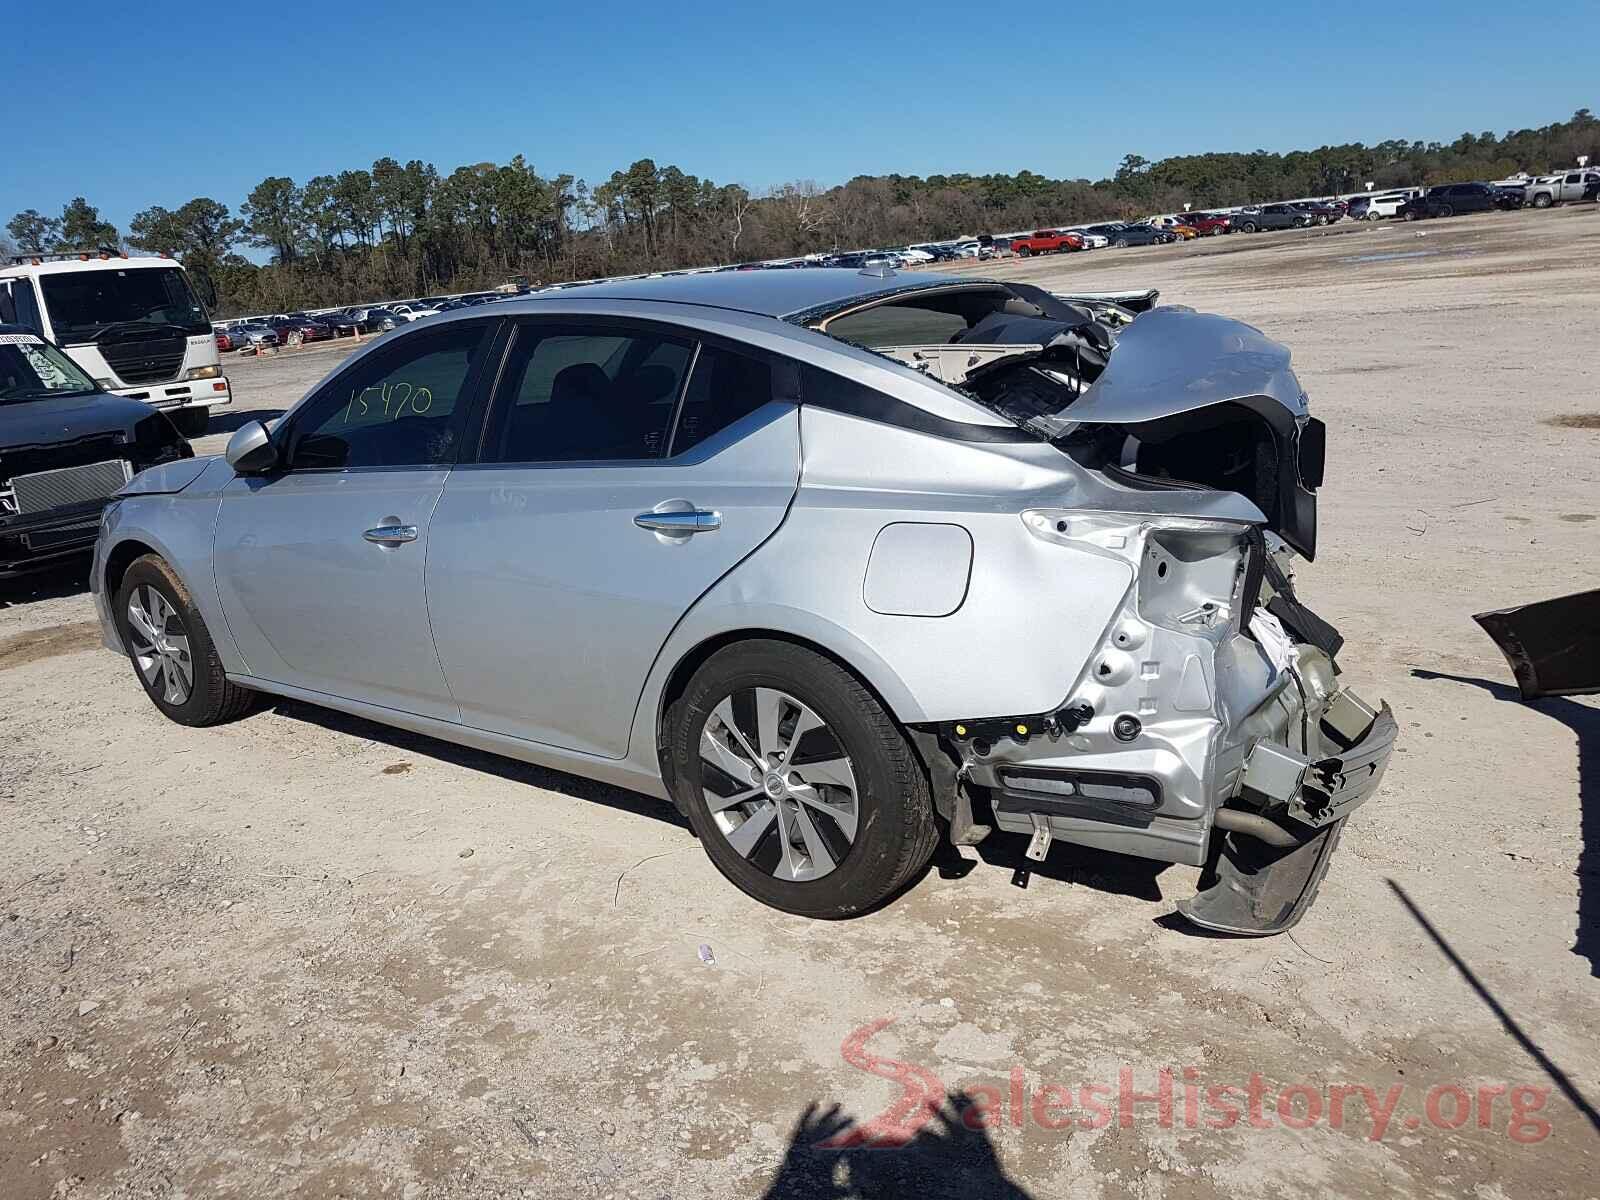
x: 391, y: 535
x: 694, y: 520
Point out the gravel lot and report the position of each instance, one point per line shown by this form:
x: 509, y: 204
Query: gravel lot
x: 304, y: 955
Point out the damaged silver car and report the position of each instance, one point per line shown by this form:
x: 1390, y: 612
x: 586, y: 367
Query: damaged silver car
x: 837, y: 562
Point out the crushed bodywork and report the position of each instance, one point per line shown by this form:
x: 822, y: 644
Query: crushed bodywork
x: 1553, y: 646
x: 1211, y: 727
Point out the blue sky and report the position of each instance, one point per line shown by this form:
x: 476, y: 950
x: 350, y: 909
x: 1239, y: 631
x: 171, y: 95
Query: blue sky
x: 208, y: 100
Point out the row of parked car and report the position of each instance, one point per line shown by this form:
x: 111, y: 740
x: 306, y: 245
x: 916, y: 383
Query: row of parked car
x: 1409, y: 204
x: 252, y: 334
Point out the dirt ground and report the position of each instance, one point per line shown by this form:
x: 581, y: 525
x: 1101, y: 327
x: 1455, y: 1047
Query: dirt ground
x: 304, y: 955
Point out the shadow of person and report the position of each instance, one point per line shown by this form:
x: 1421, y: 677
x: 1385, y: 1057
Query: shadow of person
x: 1584, y: 721
x: 951, y: 1155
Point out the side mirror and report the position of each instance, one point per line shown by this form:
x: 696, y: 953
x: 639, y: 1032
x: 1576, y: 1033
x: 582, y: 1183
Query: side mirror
x: 250, y: 450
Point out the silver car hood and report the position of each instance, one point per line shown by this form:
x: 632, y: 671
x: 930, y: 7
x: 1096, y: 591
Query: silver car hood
x: 1174, y: 360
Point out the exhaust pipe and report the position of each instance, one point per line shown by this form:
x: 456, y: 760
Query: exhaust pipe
x: 1255, y: 825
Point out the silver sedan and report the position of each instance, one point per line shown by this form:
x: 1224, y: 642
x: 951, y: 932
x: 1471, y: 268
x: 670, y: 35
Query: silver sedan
x: 840, y: 563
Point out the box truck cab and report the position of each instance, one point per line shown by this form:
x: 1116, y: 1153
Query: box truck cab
x: 134, y: 324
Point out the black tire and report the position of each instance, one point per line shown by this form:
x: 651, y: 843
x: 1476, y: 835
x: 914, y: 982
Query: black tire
x: 1411, y: 214
x: 1542, y: 200
x: 1023, y: 252
x: 895, y: 828
x: 211, y: 699
x: 1248, y: 227
x: 192, y: 422
x: 1120, y: 244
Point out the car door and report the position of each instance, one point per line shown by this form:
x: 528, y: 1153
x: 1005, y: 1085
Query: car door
x: 320, y: 565
x: 624, y: 468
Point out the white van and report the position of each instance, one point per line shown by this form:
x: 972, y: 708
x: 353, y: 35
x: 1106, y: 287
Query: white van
x: 134, y: 324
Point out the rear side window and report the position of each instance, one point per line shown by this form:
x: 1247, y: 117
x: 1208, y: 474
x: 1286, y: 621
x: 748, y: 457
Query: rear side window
x: 725, y: 386
x: 569, y: 394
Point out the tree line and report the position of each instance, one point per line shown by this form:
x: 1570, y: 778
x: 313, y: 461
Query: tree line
x: 392, y: 230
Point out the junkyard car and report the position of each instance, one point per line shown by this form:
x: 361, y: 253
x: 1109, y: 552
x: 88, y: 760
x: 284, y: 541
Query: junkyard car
x: 839, y: 562
x: 65, y: 446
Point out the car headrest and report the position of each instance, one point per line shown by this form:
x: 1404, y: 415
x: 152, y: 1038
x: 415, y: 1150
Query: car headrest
x: 581, y: 383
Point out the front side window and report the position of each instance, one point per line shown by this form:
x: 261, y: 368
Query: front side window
x: 31, y: 369
x: 404, y: 407
x: 85, y: 305
x: 570, y: 394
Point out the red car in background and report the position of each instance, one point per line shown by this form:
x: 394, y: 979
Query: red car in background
x: 225, y: 339
x: 1046, y: 241
x: 1206, y: 224
x: 293, y: 331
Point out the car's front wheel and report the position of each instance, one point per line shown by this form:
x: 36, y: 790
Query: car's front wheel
x: 171, y: 649
x: 802, y: 788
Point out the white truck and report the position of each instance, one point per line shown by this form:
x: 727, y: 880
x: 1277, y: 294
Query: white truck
x: 1565, y: 188
x: 134, y: 324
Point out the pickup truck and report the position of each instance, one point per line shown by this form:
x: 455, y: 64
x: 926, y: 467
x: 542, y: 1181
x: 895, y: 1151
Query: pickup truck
x: 1560, y: 189
x: 1046, y: 241
x: 1270, y: 216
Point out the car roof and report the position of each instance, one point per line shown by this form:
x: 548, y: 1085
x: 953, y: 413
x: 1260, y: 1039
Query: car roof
x: 763, y: 293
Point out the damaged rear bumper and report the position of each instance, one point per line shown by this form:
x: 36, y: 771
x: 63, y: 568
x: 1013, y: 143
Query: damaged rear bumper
x: 1211, y: 728
x: 1257, y: 885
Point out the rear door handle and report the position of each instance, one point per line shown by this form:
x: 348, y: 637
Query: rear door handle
x: 694, y: 520
x: 391, y: 535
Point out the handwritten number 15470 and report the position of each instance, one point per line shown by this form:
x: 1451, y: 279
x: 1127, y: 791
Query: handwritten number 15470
x: 395, y: 399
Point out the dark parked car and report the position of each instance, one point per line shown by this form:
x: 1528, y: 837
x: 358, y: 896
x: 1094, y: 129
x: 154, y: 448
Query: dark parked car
x: 293, y: 330
x: 1134, y: 235
x: 1270, y: 216
x: 65, y: 446
x: 1452, y: 199
x: 1320, y: 211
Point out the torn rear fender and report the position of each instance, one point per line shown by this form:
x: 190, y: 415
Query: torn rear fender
x: 1553, y: 646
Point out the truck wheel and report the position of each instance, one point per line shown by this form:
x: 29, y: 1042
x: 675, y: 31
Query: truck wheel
x: 1023, y: 252
x: 192, y: 422
x: 1248, y: 227
x: 1542, y: 200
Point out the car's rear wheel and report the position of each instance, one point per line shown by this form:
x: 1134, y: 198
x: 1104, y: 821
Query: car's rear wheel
x: 802, y: 788
x: 171, y: 649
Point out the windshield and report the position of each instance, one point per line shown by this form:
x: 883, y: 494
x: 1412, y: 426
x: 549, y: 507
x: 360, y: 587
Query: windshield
x: 85, y: 304
x: 31, y: 369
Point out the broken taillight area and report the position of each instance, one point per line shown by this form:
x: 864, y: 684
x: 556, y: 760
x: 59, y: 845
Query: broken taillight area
x: 1209, y: 727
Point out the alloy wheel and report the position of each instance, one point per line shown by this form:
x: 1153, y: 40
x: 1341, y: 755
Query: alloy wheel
x: 160, y: 644
x: 778, y: 784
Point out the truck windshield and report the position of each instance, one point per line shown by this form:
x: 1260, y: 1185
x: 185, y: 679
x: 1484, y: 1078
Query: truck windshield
x: 86, y: 304
x: 30, y: 369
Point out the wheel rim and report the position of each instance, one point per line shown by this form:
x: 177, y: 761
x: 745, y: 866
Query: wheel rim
x: 160, y: 644
x: 778, y: 784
